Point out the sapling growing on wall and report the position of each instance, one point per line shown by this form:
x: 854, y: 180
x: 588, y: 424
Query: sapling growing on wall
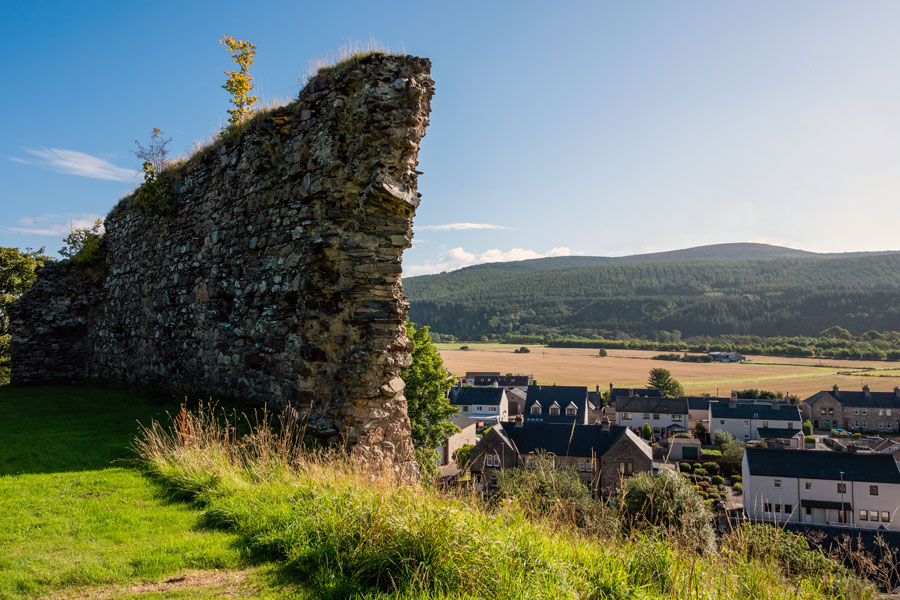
x: 239, y: 83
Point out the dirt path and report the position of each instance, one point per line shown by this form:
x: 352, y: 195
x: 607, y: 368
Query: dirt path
x: 223, y: 584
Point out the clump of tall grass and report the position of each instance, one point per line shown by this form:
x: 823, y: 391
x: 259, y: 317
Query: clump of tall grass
x: 348, y: 53
x: 352, y: 530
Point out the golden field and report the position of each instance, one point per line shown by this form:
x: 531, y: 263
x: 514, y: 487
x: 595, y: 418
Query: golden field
x: 628, y: 368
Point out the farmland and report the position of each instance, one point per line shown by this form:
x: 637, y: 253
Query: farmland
x: 628, y: 368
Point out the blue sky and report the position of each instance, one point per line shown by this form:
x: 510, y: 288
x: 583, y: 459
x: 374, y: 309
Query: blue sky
x: 596, y: 128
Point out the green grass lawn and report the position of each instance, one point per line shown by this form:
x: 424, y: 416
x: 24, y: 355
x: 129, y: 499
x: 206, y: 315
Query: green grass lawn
x: 77, y: 519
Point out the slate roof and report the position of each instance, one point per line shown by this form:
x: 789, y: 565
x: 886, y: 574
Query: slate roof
x: 467, y: 396
x: 822, y: 464
x: 560, y: 438
x: 562, y: 395
x: 674, y: 406
x: 755, y: 410
x: 862, y: 399
x: 642, y: 392
x: 776, y: 433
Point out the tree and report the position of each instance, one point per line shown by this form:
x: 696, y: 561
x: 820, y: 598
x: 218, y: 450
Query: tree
x: 699, y: 428
x: 240, y: 82
x: 646, y: 431
x: 835, y: 332
x: 427, y: 385
x: 82, y: 245
x: 807, y: 427
x: 662, y: 379
x: 155, y: 152
x: 17, y: 274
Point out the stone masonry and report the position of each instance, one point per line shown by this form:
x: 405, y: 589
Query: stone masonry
x: 276, y: 280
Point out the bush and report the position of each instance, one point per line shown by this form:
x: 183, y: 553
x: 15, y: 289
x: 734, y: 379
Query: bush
x: 738, y: 488
x: 463, y: 347
x: 810, y: 439
x: 720, y: 438
x: 717, y: 480
x: 685, y: 467
x: 711, y: 453
x: 646, y: 431
x: 736, y: 479
x: 696, y: 466
x: 683, y: 436
x: 523, y: 350
x: 711, y: 467
x: 701, y: 472
x: 807, y: 427
x: 602, y: 352
x: 669, y: 504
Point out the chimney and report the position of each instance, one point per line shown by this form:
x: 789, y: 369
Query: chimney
x: 897, y: 391
x: 604, y: 422
x: 598, y: 388
x: 520, y: 422
x: 834, y: 390
x: 732, y: 402
x: 866, y: 390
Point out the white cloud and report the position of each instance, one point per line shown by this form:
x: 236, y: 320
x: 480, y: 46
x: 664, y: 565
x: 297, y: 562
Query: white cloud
x: 457, y: 258
x: 72, y: 162
x: 55, y: 225
x: 459, y: 227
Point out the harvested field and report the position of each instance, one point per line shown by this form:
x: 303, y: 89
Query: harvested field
x: 627, y: 368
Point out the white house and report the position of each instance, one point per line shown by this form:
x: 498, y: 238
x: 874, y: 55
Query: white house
x: 744, y: 419
x: 823, y: 487
x: 666, y: 416
x: 481, y: 403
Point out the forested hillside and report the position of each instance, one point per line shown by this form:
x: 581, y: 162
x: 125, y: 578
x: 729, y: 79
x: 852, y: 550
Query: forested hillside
x: 798, y: 294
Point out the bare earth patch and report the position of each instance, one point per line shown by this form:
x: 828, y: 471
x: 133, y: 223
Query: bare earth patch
x: 225, y: 584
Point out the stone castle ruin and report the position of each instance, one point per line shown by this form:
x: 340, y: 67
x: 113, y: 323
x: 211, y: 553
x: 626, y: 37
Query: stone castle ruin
x: 277, y: 276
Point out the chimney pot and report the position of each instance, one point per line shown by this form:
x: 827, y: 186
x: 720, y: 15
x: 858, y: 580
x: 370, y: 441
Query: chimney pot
x: 834, y: 390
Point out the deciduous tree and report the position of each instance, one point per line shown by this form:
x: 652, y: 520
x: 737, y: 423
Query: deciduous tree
x: 240, y: 83
x: 427, y: 385
x: 662, y: 379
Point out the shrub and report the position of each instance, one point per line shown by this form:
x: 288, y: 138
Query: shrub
x: 669, y: 504
x: 857, y: 435
x: 736, y: 479
x: 82, y: 245
x: 602, y: 352
x: 711, y: 453
x: 701, y: 472
x: 807, y: 427
x: 685, y: 467
x: 738, y: 488
x: 647, y: 431
x: 696, y: 466
x: 463, y: 347
x: 461, y: 455
x: 683, y: 435
x: 239, y: 83
x: 713, y: 495
x: 717, y: 480
x: 720, y: 438
x: 522, y: 350
x: 712, y: 467
x: 809, y: 439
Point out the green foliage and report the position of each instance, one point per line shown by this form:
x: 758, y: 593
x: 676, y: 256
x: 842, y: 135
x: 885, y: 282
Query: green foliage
x: 738, y: 488
x: 717, y: 480
x: 807, y: 427
x: 667, y: 503
x: 462, y: 454
x: 523, y: 350
x: 759, y: 394
x: 17, y: 274
x: 733, y: 451
x: 662, y: 379
x: 736, y: 479
x: 156, y: 152
x: 463, y: 347
x: 684, y: 467
x: 700, y: 428
x: 809, y: 439
x: 711, y: 467
x: 427, y: 385
x: 647, y: 431
x: 155, y: 196
x: 82, y: 245
x: 239, y: 83
x: 602, y: 353
x: 721, y: 437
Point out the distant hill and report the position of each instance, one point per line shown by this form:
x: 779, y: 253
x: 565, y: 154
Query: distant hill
x: 708, y: 290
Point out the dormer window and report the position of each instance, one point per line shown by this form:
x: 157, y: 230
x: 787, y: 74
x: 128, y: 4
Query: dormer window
x: 571, y: 410
x: 554, y: 409
x: 536, y: 408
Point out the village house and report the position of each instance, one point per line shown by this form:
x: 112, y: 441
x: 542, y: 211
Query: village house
x: 727, y: 356
x: 823, y: 487
x: 777, y: 437
x: 616, y: 393
x: 481, y: 403
x: 601, y: 454
x: 666, y: 416
x: 856, y: 411
x: 495, y: 379
x: 744, y: 419
x: 465, y: 435
x: 557, y: 404
x: 516, y: 397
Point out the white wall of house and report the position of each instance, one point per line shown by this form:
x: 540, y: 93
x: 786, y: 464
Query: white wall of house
x: 658, y: 421
x: 747, y: 429
x: 779, y: 499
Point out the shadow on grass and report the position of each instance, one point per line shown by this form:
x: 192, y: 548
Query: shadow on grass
x: 74, y: 426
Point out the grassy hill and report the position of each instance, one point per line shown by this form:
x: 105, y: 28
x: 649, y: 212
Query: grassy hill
x: 204, y: 515
x: 751, y: 289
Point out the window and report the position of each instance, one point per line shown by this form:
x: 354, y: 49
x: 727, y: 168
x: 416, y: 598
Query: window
x: 842, y: 488
x: 571, y: 411
x: 656, y: 416
x: 831, y: 411
x: 626, y: 468
x: 676, y: 417
x: 873, y: 515
x: 788, y: 509
x: 888, y: 414
x: 880, y: 412
x: 554, y: 410
x: 808, y: 510
x: 790, y: 425
x: 721, y: 421
x: 885, y: 516
x: 865, y: 424
x: 492, y: 409
x: 865, y: 412
x: 880, y: 424
x: 657, y: 430
x: 465, y: 409
x: 856, y: 412
x: 746, y: 423
x: 646, y: 416
x: 856, y: 424
x: 493, y: 479
x: 777, y: 508
x: 585, y: 466
x: 807, y: 485
x: 767, y: 508
x: 863, y: 515
x: 627, y: 416
x: 535, y: 409
x: 873, y: 490
x: 823, y: 410
x: 778, y: 483
x: 765, y: 423
x: 492, y: 460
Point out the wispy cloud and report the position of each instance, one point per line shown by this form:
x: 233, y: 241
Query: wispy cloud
x: 457, y: 258
x: 458, y: 227
x: 72, y: 162
x: 55, y: 225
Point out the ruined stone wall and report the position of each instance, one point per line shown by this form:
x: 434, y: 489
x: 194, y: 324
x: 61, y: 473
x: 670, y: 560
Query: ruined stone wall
x: 276, y: 280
